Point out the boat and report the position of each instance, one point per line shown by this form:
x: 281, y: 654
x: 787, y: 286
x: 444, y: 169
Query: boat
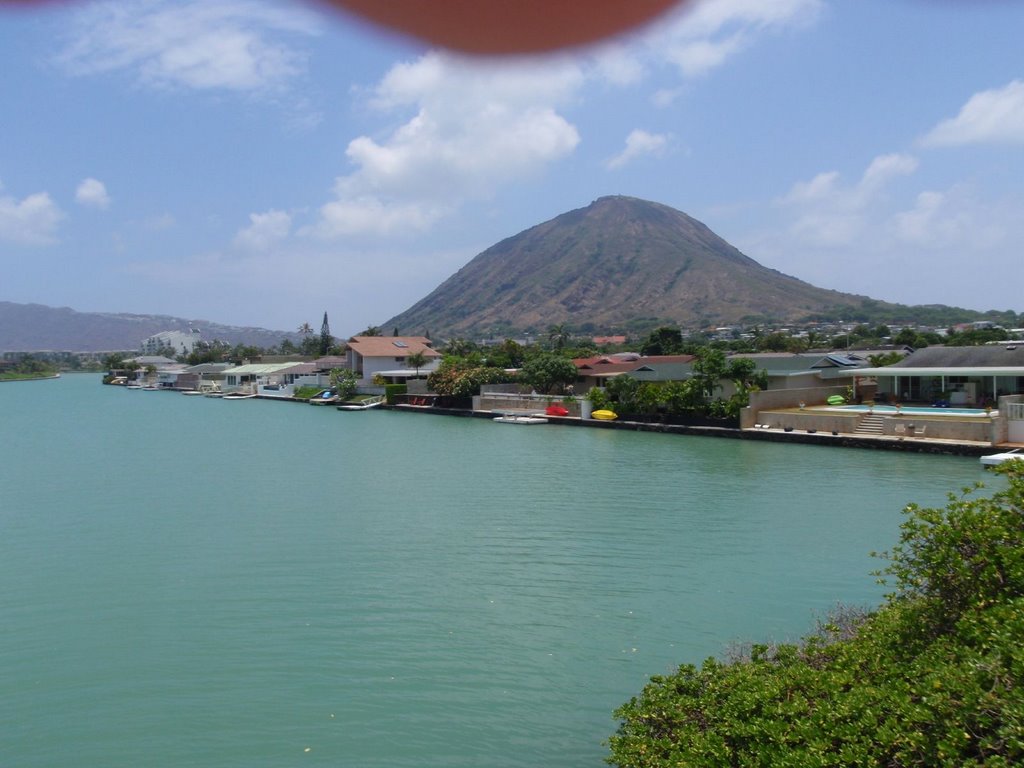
x: 367, y: 404
x: 327, y: 397
x: 239, y: 396
x: 835, y: 400
x: 191, y: 392
x: 520, y: 418
x: 996, y: 459
x: 605, y: 415
x: 556, y: 410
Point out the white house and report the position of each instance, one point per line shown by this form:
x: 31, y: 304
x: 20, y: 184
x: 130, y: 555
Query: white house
x: 368, y: 356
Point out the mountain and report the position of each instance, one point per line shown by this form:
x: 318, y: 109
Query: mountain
x: 621, y: 263
x: 34, y: 327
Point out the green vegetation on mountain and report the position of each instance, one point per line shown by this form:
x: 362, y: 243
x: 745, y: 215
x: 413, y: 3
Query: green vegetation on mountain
x: 935, y: 677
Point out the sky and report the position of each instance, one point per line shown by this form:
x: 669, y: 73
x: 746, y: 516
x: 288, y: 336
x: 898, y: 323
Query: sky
x: 260, y: 162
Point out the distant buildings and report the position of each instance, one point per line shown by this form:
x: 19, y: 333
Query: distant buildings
x: 181, y: 342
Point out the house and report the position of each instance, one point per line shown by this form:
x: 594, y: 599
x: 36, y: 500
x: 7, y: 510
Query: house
x: 595, y: 371
x: 805, y: 370
x: 968, y: 376
x: 277, y: 378
x: 385, y: 356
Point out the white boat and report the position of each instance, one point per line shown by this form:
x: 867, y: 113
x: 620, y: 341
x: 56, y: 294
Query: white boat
x: 366, y: 405
x: 995, y: 459
x: 520, y: 418
x: 191, y: 392
x: 239, y: 396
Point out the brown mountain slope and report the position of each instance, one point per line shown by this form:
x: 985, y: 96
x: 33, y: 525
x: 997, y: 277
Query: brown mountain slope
x: 618, y: 263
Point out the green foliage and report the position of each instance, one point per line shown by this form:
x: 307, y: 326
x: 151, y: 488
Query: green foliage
x: 976, y: 337
x: 457, y: 378
x: 326, y: 340
x: 598, y: 398
x: 934, y: 678
x: 709, y: 369
x: 28, y: 367
x: 663, y: 341
x: 392, y: 391
x: 884, y: 359
x: 304, y: 393
x: 508, y: 354
x: 548, y: 372
x: 345, y: 382
x: 415, y: 360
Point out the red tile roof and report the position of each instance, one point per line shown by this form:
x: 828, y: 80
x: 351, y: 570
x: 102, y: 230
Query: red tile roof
x: 392, y: 346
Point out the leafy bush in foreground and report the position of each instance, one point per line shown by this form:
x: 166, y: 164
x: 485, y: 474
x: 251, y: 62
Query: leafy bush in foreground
x: 934, y: 678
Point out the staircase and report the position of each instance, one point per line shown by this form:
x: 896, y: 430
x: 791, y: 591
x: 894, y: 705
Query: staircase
x: 870, y: 424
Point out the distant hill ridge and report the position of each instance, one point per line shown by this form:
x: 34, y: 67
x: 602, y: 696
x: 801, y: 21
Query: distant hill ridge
x: 625, y: 264
x: 35, y: 327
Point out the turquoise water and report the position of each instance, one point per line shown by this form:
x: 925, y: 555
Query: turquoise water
x: 911, y: 410
x: 189, y: 581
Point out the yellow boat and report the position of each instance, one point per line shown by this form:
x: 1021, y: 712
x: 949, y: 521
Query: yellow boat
x: 605, y: 415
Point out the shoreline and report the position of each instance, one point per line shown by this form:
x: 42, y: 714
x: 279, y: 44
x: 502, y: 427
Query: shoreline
x: 908, y: 445
x: 31, y: 378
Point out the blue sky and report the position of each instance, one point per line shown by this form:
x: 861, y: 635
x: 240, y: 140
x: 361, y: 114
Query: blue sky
x: 259, y: 162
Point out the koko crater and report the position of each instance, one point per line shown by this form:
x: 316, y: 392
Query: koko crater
x: 620, y: 263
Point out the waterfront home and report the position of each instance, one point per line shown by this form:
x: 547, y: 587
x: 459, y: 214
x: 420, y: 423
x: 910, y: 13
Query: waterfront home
x: 385, y: 356
x: 275, y: 377
x: 196, y: 376
x: 595, y: 371
x: 803, y: 370
x: 964, y: 376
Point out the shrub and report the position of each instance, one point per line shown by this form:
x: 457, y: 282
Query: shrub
x: 934, y: 678
x: 392, y: 391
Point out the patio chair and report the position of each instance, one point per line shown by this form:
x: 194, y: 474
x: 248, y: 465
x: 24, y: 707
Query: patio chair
x: 919, y: 432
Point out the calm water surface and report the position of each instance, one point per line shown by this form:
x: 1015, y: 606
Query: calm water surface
x: 189, y: 581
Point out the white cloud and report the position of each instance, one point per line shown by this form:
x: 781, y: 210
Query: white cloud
x: 707, y: 33
x: 236, y: 45
x: 264, y: 230
x: 638, y: 144
x: 30, y: 221
x: 474, y: 127
x: 93, y: 194
x: 994, y: 116
x: 828, y: 214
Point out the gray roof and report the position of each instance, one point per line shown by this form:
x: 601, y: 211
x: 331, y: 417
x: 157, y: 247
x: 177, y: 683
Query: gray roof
x: 1008, y: 355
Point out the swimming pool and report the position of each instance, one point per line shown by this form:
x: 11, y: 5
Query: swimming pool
x: 891, y: 410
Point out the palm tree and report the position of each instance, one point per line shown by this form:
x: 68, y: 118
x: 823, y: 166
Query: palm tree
x: 416, y: 360
x: 305, y: 329
x: 558, y: 336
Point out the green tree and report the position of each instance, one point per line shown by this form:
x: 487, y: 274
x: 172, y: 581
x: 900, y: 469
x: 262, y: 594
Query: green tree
x: 558, y: 337
x: 548, y: 372
x: 663, y: 341
x: 709, y: 369
x: 416, y: 360
x: 458, y: 378
x: 932, y: 678
x: 344, y: 382
x: 326, y: 340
